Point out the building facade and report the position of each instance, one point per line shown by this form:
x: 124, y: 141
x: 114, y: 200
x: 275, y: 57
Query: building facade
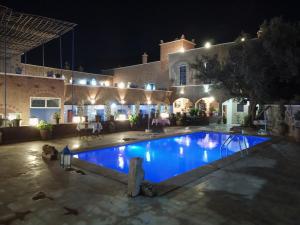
x: 168, y: 85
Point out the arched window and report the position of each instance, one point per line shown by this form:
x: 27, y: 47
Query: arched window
x: 182, y: 75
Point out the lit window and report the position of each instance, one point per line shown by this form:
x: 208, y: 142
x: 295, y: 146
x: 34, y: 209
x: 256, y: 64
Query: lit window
x: 182, y: 75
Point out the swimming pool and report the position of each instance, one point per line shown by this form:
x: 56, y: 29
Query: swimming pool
x: 167, y: 157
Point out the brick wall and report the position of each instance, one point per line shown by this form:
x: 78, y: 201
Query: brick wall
x: 35, y: 70
x: 141, y: 74
x: 20, y: 88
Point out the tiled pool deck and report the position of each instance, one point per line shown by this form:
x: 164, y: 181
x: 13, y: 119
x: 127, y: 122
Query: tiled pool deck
x: 262, y: 188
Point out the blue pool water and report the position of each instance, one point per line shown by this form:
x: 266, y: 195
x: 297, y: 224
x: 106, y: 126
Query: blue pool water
x: 168, y: 157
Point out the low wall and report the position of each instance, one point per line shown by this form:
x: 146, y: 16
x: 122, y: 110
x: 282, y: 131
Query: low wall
x: 28, y: 133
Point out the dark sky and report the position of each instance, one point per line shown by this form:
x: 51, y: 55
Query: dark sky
x: 113, y: 33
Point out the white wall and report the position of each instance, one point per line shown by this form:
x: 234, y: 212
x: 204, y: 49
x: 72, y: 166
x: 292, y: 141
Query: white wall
x: 233, y: 116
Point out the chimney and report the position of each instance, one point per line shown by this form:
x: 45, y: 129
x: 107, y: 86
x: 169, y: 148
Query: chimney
x: 144, y: 58
x: 259, y: 33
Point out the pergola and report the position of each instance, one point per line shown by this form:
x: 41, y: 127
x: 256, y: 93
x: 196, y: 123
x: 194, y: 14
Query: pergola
x: 21, y: 32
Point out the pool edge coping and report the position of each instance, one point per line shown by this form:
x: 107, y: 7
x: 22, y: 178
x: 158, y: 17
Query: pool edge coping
x: 180, y: 180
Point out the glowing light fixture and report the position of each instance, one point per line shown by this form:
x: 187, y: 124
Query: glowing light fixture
x: 164, y: 115
x: 93, y: 82
x: 76, y: 146
x: 107, y: 83
x: 121, y: 117
x: 12, y: 116
x: 211, y: 99
x: 65, y: 158
x: 182, y: 91
x: 121, y: 85
x: 206, y: 87
x: 113, y: 105
x: 78, y: 119
x: 33, y: 122
x: 149, y: 102
x: 148, y: 87
x: 82, y: 81
x: 207, y: 45
x: 182, y: 50
x: 122, y: 101
x: 243, y: 39
x: 93, y: 101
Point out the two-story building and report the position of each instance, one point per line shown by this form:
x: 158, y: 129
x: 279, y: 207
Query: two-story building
x: 33, y: 92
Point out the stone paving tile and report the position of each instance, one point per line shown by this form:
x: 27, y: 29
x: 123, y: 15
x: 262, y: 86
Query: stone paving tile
x: 262, y: 188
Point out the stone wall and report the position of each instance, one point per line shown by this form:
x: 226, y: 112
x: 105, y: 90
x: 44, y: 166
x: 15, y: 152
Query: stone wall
x: 84, y: 95
x: 35, y: 70
x: 195, y: 93
x: 12, y: 62
x: 189, y: 57
x: 142, y: 74
x: 20, y: 88
x: 177, y: 46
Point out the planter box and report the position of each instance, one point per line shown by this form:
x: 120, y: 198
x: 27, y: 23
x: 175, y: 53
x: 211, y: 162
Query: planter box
x: 19, y: 134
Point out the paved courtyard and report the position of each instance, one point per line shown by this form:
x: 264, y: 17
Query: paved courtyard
x: 262, y: 188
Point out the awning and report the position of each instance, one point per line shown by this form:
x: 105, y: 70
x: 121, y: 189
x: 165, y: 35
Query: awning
x: 24, y: 32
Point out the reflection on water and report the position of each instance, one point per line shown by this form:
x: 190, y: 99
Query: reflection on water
x: 121, y: 162
x: 148, y: 157
x: 207, y: 142
x: 181, y: 151
x: 184, y: 140
x: 205, y: 158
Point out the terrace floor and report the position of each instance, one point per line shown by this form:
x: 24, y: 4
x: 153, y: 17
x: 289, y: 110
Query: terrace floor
x: 262, y: 188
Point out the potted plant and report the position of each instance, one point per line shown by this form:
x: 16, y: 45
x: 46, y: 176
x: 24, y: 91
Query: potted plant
x: 297, y: 126
x: 16, y: 122
x: 45, y: 129
x: 133, y: 119
x: 178, y: 119
x: 56, y: 117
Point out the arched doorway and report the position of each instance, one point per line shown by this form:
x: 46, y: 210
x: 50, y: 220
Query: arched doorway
x: 209, y: 105
x: 182, y: 105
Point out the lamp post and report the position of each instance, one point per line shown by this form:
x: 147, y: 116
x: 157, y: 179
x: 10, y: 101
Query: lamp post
x: 65, y: 158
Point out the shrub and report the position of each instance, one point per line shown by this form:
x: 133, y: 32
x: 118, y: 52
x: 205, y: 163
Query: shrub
x: 194, y: 112
x: 43, y: 125
x: 133, y: 119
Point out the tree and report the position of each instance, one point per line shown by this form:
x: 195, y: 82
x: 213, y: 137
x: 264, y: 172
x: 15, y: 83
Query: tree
x: 260, y: 70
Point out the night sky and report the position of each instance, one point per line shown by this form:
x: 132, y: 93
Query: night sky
x: 116, y: 33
